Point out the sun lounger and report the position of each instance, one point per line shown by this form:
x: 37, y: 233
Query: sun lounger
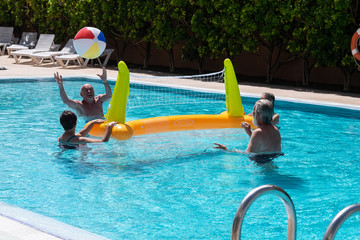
x: 80, y: 61
x: 5, y: 38
x: 38, y: 58
x: 27, y: 41
x: 44, y: 44
x: 107, y: 54
x: 70, y: 57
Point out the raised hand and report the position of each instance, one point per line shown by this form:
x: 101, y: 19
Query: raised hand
x: 103, y: 76
x: 247, y: 128
x: 58, y: 78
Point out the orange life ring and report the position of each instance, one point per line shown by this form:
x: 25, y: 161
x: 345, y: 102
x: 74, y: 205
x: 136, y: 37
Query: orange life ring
x: 354, y: 44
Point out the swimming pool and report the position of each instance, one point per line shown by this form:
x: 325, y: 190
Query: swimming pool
x: 174, y: 185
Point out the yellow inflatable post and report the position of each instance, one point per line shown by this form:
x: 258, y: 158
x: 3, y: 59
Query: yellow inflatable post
x: 117, y: 107
x: 233, y: 99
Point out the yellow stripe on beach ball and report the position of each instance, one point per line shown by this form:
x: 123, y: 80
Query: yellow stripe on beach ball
x: 93, y: 51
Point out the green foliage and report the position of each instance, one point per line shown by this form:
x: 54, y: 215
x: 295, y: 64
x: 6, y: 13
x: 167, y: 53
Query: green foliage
x: 328, y: 33
x: 269, y: 24
x: 15, y: 13
x: 219, y: 27
x: 6, y: 17
x: 318, y: 31
x: 166, y: 25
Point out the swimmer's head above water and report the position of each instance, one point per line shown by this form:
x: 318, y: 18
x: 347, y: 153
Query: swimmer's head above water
x: 68, y: 120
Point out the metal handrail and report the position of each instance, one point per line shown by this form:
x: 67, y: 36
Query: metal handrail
x: 338, y: 220
x: 252, y: 196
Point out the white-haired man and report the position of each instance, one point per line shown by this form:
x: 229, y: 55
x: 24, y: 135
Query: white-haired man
x: 91, y: 106
x: 266, y: 138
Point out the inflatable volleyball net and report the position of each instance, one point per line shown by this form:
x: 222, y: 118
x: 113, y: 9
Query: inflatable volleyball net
x: 150, y: 93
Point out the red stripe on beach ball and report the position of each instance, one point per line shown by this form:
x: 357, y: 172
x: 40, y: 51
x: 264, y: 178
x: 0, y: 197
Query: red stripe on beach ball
x: 84, y: 33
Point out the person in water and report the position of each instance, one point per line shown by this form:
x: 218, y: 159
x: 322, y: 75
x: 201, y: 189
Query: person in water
x: 90, y: 106
x: 266, y: 138
x: 275, y: 117
x: 71, y: 140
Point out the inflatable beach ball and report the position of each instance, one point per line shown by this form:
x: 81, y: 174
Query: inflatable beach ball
x: 89, y: 42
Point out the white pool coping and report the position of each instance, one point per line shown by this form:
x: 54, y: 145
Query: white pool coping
x: 20, y: 224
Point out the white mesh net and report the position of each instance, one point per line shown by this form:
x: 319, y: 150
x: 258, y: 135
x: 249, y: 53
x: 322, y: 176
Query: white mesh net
x: 175, y: 94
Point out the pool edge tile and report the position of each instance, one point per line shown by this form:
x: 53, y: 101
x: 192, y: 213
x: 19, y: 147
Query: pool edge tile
x: 45, y: 224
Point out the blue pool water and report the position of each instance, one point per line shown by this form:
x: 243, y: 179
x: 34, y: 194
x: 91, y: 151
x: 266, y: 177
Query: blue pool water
x: 175, y: 185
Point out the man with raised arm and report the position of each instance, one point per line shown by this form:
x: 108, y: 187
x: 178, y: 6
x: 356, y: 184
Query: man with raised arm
x: 90, y: 106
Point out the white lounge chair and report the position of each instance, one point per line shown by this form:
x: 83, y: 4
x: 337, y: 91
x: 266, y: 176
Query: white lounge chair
x: 38, y: 58
x: 27, y: 41
x: 5, y: 38
x: 80, y: 61
x: 70, y: 57
x: 44, y: 44
x: 107, y: 54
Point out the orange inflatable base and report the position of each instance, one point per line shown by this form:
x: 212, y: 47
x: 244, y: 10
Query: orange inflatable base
x: 119, y: 131
x: 171, y: 124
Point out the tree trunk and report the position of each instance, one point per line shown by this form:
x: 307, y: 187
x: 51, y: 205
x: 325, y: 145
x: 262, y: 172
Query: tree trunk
x: 123, y: 49
x: 269, y: 74
x: 347, y: 75
x: 147, y: 55
x: 171, y: 60
x: 306, y: 72
x: 201, y: 65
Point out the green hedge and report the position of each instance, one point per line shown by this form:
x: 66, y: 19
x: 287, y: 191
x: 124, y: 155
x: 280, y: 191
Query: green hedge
x: 319, y: 31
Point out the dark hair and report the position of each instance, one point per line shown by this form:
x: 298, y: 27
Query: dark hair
x: 68, y: 120
x: 269, y: 96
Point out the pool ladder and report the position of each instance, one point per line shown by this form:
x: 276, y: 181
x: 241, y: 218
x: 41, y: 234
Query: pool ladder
x: 290, y: 210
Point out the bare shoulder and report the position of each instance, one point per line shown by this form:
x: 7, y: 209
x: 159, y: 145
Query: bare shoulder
x: 101, y: 98
x: 257, y: 132
x: 276, y: 129
x: 75, y: 139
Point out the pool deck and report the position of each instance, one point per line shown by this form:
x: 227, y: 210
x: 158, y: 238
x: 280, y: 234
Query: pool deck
x: 13, y: 229
x: 27, y: 69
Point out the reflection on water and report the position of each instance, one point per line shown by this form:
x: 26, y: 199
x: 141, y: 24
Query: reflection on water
x: 263, y: 169
x: 75, y: 161
x: 270, y: 174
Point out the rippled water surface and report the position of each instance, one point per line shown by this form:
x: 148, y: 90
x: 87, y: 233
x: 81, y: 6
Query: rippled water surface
x: 175, y: 185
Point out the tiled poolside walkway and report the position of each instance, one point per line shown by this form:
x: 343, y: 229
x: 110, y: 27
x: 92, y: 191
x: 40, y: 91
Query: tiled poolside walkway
x: 26, y: 68
x: 11, y: 229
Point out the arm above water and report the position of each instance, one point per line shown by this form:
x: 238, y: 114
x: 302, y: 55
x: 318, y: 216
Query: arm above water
x: 71, y: 103
x: 105, y: 138
x: 223, y: 147
x: 220, y: 146
x: 85, y: 131
x: 275, y: 119
x: 108, y: 93
x: 247, y: 128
